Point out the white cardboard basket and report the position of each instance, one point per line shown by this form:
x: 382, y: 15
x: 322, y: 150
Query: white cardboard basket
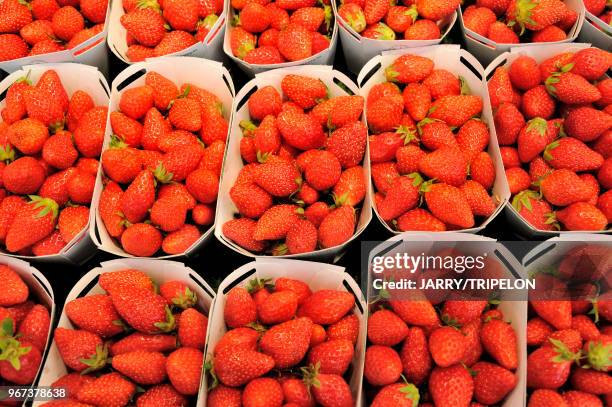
x: 41, y: 290
x: 461, y: 63
x: 325, y: 57
x: 539, y: 53
x: 233, y: 160
x: 591, y: 34
x: 74, y: 77
x: 486, y: 50
x: 358, y: 50
x: 95, y: 56
x: 209, y: 48
x: 318, y: 276
x: 159, y: 271
x: 210, y: 75
x: 514, y: 311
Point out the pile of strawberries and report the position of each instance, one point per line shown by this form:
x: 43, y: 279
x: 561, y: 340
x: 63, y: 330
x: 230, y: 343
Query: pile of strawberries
x: 167, y: 150
x: 24, y: 327
x: 570, y: 341
x: 515, y: 21
x: 43, y: 26
x: 464, y: 352
x: 599, y: 8
x: 134, y: 325
x: 430, y: 129
x: 300, y: 188
x: 50, y: 142
x: 411, y: 20
x: 155, y: 28
x: 275, y: 329
x: 282, y: 36
x: 554, y: 126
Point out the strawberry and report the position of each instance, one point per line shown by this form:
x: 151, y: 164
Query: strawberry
x: 89, y: 134
x: 80, y: 350
x: 445, y: 164
x: 451, y: 385
x: 563, y: 187
x: 333, y: 356
x: 591, y: 381
x: 185, y: 114
x: 163, y: 393
x: 570, y: 88
x: 126, y: 278
x: 222, y: 396
x: 556, y: 313
x: 139, y: 197
x: 181, y: 15
x: 501, y: 33
x: 415, y: 357
x: 479, y: 19
x: 80, y: 187
x: 242, y: 42
x: 401, y: 196
x: 300, y: 130
x: 263, y: 391
x: 535, y: 15
x: 67, y: 21
x: 572, y: 154
x: 348, y: 144
x: 409, y: 68
x: 143, y: 342
x: 240, y: 310
x: 145, y: 25
x: 456, y: 110
x: 263, y: 102
x: 324, y: 170
x: 241, y: 231
x: 15, y: 15
x: 144, y: 310
x: 44, y: 9
x: 538, y: 331
x: 109, y: 206
x: 278, y: 177
x: 599, y: 122
x: 275, y: 222
x: 472, y: 138
x: 254, y: 18
x: 537, y: 102
x: 518, y: 179
x: 408, y: 158
x: 398, y: 394
x: 141, y: 366
x: 28, y: 135
x: 500, y: 87
x: 32, y: 223
x: 136, y: 101
x: 435, y: 134
x: 492, y: 383
x: 72, y: 220
x: 546, y: 397
x: 288, y: 342
x: 353, y: 15
x: 533, y: 138
x: 447, y: 346
x: 22, y: 362
x: 350, y: 189
x: 479, y: 200
x: 141, y: 239
x: 52, y: 244
x: 508, y: 123
x: 591, y: 63
x: 382, y: 89
x: 72, y: 382
x: 448, y: 204
x: 108, y: 322
x: 375, y: 10
x: 23, y: 176
x: 328, y: 390
x: 59, y: 150
x: 337, y: 227
x: 582, y: 216
x: 419, y: 313
x: 278, y: 307
x: 306, y: 92
x: 295, y: 43
x: 473, y: 351
x: 534, y: 210
x: 164, y: 90
x: 15, y: 109
x: 604, y: 204
x: 552, y: 33
x: 13, y: 47
x: 423, y: 30
x: 120, y: 162
x: 301, y: 237
x: 203, y: 185
x: 168, y: 214
x: 419, y: 220
x: 34, y: 328
x: 126, y: 128
x: 579, y: 398
x: 417, y: 100
x: 499, y: 340
x: 214, y: 126
x: 326, y: 307
x: 386, y: 328
x: 382, y: 365
x: 524, y: 73
x: 36, y: 31
x: 345, y: 110
x: 179, y: 241
x: 109, y: 388
x: 250, y: 200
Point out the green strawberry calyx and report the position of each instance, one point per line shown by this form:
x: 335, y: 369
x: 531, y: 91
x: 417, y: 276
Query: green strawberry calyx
x: 599, y: 355
x: 385, y: 33
x: 310, y: 375
x: 6, y: 328
x: 152, y: 4
x: 563, y: 352
x: 257, y: 284
x: 12, y: 351
x: 169, y: 324
x: 186, y: 299
x: 523, y: 13
x: 523, y: 200
x: 46, y: 206
x: 117, y: 142
x: 538, y: 125
x: 410, y: 392
x: 554, y: 78
x: 96, y: 361
x: 162, y: 175
x: 548, y: 150
x: 7, y: 154
x: 328, y: 17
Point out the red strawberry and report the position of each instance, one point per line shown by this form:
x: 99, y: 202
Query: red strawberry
x: 121, y: 163
x: 241, y: 231
x: 141, y: 366
x: 501, y: 33
x: 563, y: 187
x: 109, y: 388
x: 242, y: 42
x: 415, y: 356
x: 534, y: 210
x: 139, y: 197
x: 399, y: 394
x: 419, y: 220
x: 500, y: 87
x: 572, y: 154
x: 524, y: 73
x: 423, y: 30
x: 552, y: 33
x: 386, y: 328
x: 28, y: 135
x: 72, y: 221
x: 164, y: 90
x: 449, y: 205
x: 163, y: 393
x: 533, y: 138
x: 240, y: 310
x: 300, y: 130
x: 80, y: 350
x: 599, y: 122
x: 348, y: 144
x: 107, y: 324
x: 181, y: 15
x: 129, y: 130
x: 382, y: 365
x: 32, y: 223
x: 265, y: 101
x: 582, y: 216
x: 89, y: 133
x: 34, y: 328
x: 223, y: 396
x: 508, y: 123
x: 353, y: 15
x: 145, y: 25
x: 144, y: 310
x: 23, y: 176
x: 337, y: 227
x: 549, y: 367
x: 143, y: 342
x: 446, y: 165
x: 375, y: 10
x: 492, y: 383
x: 570, y: 88
x: 409, y: 68
x: 328, y: 390
x: 275, y: 222
x: 80, y: 187
x: 456, y: 110
x: 545, y: 397
x: 295, y: 42
x: 536, y: 102
x: 22, y: 362
x: 499, y: 340
x: 579, y: 398
x: 15, y: 15
x: 263, y: 391
x: 109, y: 207
x: 301, y: 237
x: 518, y: 179
x: 447, y: 346
x: 326, y: 307
x: 288, y: 342
x: 72, y: 382
x: 401, y: 196
x: 94, y: 10
x: 451, y: 385
x: 334, y: 356
x: 480, y: 202
x: 13, y: 47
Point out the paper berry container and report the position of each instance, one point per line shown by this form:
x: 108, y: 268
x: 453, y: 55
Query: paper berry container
x: 486, y: 50
x: 463, y: 64
x: 338, y: 84
x: 358, y: 50
x: 41, y: 291
x: 596, y: 31
x: 515, y: 312
x: 179, y: 70
x: 318, y: 276
x: 159, y: 271
x: 325, y: 57
x: 91, y: 52
x: 539, y: 53
x: 74, y: 77
x: 209, y: 48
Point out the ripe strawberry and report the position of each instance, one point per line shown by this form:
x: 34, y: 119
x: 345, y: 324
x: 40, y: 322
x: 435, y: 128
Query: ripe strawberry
x: 32, y: 223
x: 499, y: 340
x: 109, y: 206
x: 278, y: 177
x: 222, y: 396
x: 579, y: 398
x: 80, y: 187
x: 139, y: 197
x: 301, y: 237
x: 508, y: 123
x: 510, y: 157
x: 419, y: 220
x: 599, y: 122
x: 353, y: 15
x: 445, y: 164
x: 67, y: 21
x: 72, y: 220
x: 52, y: 244
x: 500, y: 87
x: 295, y: 42
x: 36, y: 31
x: 109, y: 388
x: 492, y: 383
x: 126, y: 278
x: 375, y: 10
x: 265, y: 101
x: 15, y: 15
x: 275, y: 222
x: 479, y: 200
x: 447, y: 346
x: 263, y: 391
x: 451, y: 385
x: 144, y: 310
x: 141, y: 366
x: 536, y: 102
x: 479, y: 19
x: 15, y: 291
x: 582, y: 216
x: 23, y: 176
x: 536, y: 211
x: 456, y: 110
x: 145, y: 25
x: 409, y: 68
x: 572, y: 154
x: 89, y: 133
x: 300, y: 130
x: 44, y: 9
x: 136, y: 101
x: 288, y: 342
x: 164, y: 90
x: 402, y: 195
x: 13, y: 47
x: 121, y: 163
x: 127, y: 129
x: 22, y: 362
x: 143, y: 342
x: 333, y: 356
x: 141, y: 239
x: 542, y: 397
x: 348, y: 144
x: 306, y: 92
x: 323, y: 171
x: 524, y: 73
x: 518, y: 179
x: 107, y: 324
x: 448, y: 204
x: 563, y: 187
x: 240, y: 310
x: 346, y: 328
x: 533, y: 138
x: 556, y: 313
x: 386, y: 328
x: 398, y: 394
x: 552, y: 33
x: 326, y: 307
x: 181, y: 240
x: 163, y: 393
x: 181, y: 15
x: 242, y: 42
x: 501, y: 33
x: 72, y: 382
x: 241, y: 232
x: 382, y: 365
x: 472, y: 138
x: 80, y: 350
x: 28, y: 135
x: 15, y: 109
x: 591, y: 63
x: 254, y: 18
x: 328, y: 389
x: 570, y: 88
x: 423, y: 30
x: 337, y: 227
x: 168, y: 214
x: 415, y: 357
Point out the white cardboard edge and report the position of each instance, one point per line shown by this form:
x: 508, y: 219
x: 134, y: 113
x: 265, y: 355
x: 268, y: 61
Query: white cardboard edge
x: 233, y: 160
x: 180, y: 70
x: 591, y: 34
x: 486, y: 50
x: 359, y: 50
x: 447, y: 57
x: 209, y: 48
x: 318, y: 276
x: 41, y: 289
x: 539, y: 53
x: 325, y: 57
x: 74, y: 77
x: 95, y: 56
x: 160, y: 271
x: 514, y: 311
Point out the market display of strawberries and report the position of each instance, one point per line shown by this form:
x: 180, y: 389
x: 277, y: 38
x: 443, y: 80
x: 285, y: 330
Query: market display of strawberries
x: 448, y: 354
x: 162, y: 166
x: 285, y: 346
x: 38, y: 27
x: 50, y: 143
x: 133, y: 343
x: 426, y: 133
x: 303, y: 181
x: 570, y: 348
x: 24, y: 327
x: 408, y: 20
x: 155, y: 28
x: 599, y: 8
x: 518, y: 21
x: 554, y: 125
x: 273, y: 32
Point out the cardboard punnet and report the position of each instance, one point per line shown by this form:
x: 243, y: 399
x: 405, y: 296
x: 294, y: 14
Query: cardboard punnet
x: 591, y: 32
x: 486, y: 50
x: 358, y: 50
x: 514, y: 312
x: 318, y: 276
x: 74, y: 77
x: 463, y: 64
x: 159, y: 270
x: 42, y: 291
x: 95, y: 56
x: 233, y: 160
x: 209, y: 48
x: 325, y: 57
x: 209, y: 75
x: 539, y: 53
